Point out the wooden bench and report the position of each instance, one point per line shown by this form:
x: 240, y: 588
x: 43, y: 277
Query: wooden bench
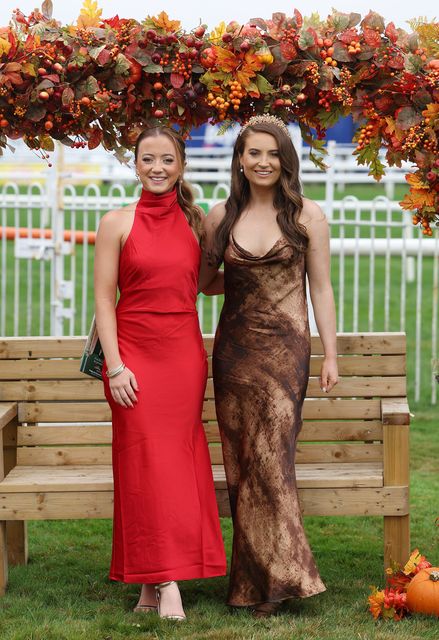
x: 55, y: 439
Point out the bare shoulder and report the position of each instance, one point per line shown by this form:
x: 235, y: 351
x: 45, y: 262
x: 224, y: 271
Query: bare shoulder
x: 311, y: 214
x: 116, y: 220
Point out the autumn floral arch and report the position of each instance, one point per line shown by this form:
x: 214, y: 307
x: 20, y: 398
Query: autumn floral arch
x: 101, y: 80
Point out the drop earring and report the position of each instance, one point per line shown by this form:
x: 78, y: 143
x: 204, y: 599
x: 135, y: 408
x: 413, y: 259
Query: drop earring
x: 241, y: 169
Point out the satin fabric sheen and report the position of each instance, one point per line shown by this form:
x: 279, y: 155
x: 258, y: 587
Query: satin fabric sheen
x: 261, y: 370
x: 166, y: 524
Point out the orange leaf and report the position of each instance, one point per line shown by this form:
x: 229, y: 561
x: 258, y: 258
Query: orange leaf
x: 432, y: 112
x: 253, y: 61
x: 226, y: 60
x: 416, y: 200
x: 163, y: 22
x: 415, y: 181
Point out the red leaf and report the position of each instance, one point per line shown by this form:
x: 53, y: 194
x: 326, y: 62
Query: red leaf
x: 384, y: 104
x: 95, y: 137
x: 177, y: 80
x: 391, y: 32
x: 104, y: 57
x: 397, y: 62
x: 288, y: 50
x: 371, y: 37
x: 299, y: 19
x: 348, y: 36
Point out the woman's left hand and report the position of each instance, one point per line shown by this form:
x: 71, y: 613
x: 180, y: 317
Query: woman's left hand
x: 328, y: 374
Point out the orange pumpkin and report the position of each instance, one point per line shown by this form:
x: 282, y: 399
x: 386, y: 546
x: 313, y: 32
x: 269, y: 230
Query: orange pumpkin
x: 423, y: 592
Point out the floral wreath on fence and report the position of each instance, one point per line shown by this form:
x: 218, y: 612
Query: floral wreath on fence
x: 102, y: 80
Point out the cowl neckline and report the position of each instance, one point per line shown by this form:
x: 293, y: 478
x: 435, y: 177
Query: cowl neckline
x: 158, y: 205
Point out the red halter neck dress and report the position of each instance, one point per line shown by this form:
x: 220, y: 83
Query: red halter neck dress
x: 166, y: 524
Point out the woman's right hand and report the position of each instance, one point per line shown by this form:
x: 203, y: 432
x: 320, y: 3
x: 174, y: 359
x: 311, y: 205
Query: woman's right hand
x: 123, y: 388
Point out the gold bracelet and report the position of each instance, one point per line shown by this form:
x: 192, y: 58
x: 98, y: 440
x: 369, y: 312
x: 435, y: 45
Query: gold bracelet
x: 116, y: 371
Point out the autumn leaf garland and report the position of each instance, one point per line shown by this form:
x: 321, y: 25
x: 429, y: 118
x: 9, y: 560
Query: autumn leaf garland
x: 100, y: 81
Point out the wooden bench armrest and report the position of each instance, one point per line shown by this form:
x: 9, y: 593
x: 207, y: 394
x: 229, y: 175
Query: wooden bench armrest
x: 8, y: 411
x: 395, y: 411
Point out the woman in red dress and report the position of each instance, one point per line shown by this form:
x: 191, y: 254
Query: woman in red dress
x: 166, y: 524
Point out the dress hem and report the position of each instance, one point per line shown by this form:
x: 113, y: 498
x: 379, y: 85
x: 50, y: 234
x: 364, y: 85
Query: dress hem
x: 290, y: 597
x: 187, y: 573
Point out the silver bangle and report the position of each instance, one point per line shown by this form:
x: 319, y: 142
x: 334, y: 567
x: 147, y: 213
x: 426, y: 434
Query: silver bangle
x: 116, y: 371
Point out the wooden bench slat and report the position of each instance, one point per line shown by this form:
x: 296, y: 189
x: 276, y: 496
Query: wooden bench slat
x: 353, y: 343
x: 89, y: 389
x: 102, y: 433
x: 68, y: 369
x: 79, y: 455
x: 72, y: 347
x: 326, y: 408
x: 41, y: 347
x: 386, y: 501
x: 99, y: 477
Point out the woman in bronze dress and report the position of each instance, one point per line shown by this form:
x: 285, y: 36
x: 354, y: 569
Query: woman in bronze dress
x: 269, y: 238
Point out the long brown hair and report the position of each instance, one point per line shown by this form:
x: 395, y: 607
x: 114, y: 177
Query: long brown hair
x: 185, y: 197
x: 287, y: 198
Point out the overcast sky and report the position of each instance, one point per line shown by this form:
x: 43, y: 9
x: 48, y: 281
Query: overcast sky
x: 191, y: 12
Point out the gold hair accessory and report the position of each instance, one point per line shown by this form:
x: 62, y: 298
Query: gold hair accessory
x: 266, y: 119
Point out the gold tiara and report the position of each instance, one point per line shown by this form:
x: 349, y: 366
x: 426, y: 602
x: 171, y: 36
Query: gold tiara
x: 266, y: 119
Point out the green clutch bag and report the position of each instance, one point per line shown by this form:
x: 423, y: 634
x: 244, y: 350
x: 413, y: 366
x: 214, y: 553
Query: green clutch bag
x: 93, y: 356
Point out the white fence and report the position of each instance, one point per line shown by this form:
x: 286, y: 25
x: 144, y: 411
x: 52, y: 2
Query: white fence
x: 385, y: 275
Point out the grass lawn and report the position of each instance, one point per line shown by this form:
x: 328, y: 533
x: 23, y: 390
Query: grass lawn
x: 64, y: 592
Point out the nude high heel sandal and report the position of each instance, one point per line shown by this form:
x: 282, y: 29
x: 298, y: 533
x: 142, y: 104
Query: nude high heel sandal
x: 159, y: 588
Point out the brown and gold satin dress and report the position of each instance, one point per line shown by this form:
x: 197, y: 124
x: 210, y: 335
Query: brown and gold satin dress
x: 260, y: 369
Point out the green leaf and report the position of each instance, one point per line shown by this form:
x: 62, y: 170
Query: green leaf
x: 87, y: 87
x: 328, y: 118
x: 312, y: 21
x: 318, y: 161
x: 340, y: 21
x: 226, y: 125
x: 306, y: 40
x: 122, y: 65
x: 153, y: 68
x: 180, y: 109
x: 212, y: 78
x: 263, y: 85
x: 413, y: 63
x: 46, y: 142
x: 28, y: 69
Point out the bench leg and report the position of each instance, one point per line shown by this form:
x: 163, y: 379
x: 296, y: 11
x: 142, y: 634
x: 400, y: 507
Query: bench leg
x: 396, y: 540
x: 3, y: 559
x: 17, y: 542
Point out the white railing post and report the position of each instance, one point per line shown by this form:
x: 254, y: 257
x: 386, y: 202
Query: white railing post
x: 330, y: 181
